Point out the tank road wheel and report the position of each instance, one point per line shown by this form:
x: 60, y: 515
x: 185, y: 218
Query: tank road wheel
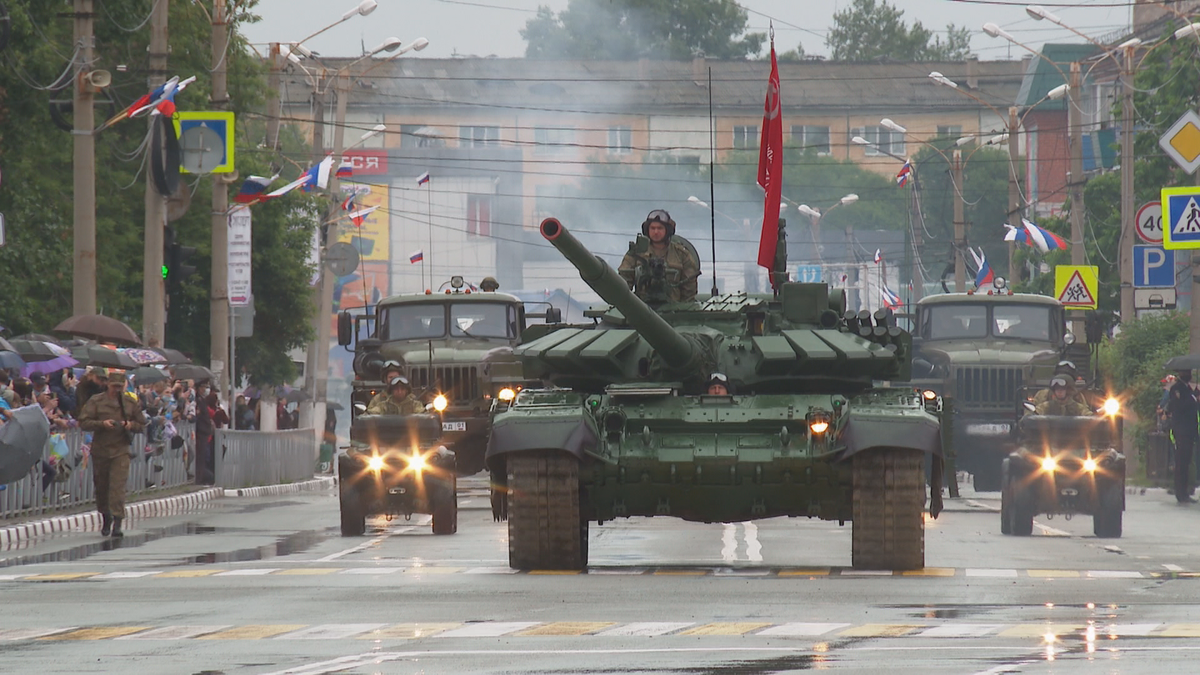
x: 1107, y: 521
x: 888, y: 510
x: 445, y: 508
x: 544, y: 513
x: 354, y: 516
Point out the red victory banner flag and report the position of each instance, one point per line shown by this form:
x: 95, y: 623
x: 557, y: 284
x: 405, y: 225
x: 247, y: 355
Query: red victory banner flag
x: 770, y: 168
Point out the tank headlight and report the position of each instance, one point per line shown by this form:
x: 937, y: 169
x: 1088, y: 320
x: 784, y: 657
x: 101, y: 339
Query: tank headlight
x: 506, y: 394
x: 819, y: 426
x: 1089, y: 465
x: 440, y: 403
x: 375, y: 463
x: 1112, y: 406
x: 1049, y: 464
x: 929, y: 394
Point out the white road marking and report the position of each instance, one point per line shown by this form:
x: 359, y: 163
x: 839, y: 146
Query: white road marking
x: 1173, y: 568
x: 802, y: 629
x: 991, y: 573
x: 30, y: 633
x: 1048, y: 531
x: 1127, y: 629
x: 867, y: 573
x: 981, y: 505
x: 363, y: 546
x: 619, y: 571
x: 1006, y: 668
x: 250, y: 572
x: 173, y: 633
x: 729, y: 543
x: 753, y: 546
x: 330, y: 631
x: 645, y: 628
x: 961, y: 630
x: 1113, y: 574
x: 738, y: 572
x: 491, y: 570
x: 372, y: 570
x: 126, y: 575
x: 13, y: 577
x: 489, y: 629
x: 1111, y: 548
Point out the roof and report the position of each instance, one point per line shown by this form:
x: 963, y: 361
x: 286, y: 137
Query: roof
x: 1015, y: 298
x: 432, y: 298
x: 615, y: 87
x: 1041, y: 76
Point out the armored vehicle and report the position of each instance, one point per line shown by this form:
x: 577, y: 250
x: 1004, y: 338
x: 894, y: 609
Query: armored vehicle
x: 1065, y: 466
x: 978, y: 350
x: 626, y: 429
x: 395, y: 465
x: 456, y: 349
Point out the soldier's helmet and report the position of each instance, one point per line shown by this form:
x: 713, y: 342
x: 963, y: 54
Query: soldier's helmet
x: 489, y: 284
x: 1066, y: 368
x: 398, y: 381
x: 1059, y: 382
x: 659, y: 216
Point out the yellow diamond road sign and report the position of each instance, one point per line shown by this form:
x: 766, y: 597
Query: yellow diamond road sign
x: 1182, y: 141
x: 1076, y: 286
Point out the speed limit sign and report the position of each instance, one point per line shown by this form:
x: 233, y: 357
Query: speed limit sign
x: 1149, y: 223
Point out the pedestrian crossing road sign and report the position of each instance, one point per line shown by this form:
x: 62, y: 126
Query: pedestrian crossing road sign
x: 1075, y: 286
x: 1181, y: 217
x: 205, y: 141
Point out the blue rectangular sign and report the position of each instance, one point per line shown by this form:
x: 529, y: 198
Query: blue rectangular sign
x: 809, y: 274
x: 1153, y: 267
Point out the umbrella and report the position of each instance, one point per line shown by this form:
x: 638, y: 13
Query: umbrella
x: 11, y: 360
x: 1188, y: 362
x: 296, y: 395
x: 22, y: 441
x: 143, y: 356
x: 6, y: 345
x: 36, y: 350
x: 105, y: 357
x: 49, y: 366
x: 39, y: 337
x: 149, y: 375
x: 189, y: 371
x: 99, y: 327
x: 333, y: 405
x: 173, y: 356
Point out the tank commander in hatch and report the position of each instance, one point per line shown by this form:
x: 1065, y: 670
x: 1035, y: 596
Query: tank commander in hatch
x: 489, y: 284
x: 717, y: 385
x: 675, y: 255
x: 1060, y: 402
x: 399, y: 400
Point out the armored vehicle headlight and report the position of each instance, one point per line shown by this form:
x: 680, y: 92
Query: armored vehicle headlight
x: 375, y: 463
x: 440, y: 403
x: 929, y: 394
x: 416, y: 462
x: 1112, y: 406
x: 819, y: 426
x: 1049, y: 464
x: 506, y: 394
x: 1089, y: 465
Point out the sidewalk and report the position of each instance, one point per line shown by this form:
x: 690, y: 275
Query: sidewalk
x: 90, y: 520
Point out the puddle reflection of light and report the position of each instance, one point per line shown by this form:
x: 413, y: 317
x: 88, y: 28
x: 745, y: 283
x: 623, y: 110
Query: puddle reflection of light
x: 1091, y: 605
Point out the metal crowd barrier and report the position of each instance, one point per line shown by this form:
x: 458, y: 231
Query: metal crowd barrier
x: 250, y: 458
x: 64, y: 483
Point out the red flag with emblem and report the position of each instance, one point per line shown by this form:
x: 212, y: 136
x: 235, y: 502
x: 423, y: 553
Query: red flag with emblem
x: 770, y: 167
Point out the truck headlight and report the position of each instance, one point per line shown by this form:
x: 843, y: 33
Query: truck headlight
x: 416, y: 462
x: 1089, y: 465
x: 440, y: 403
x: 375, y: 463
x: 1111, y: 407
x: 506, y: 394
x: 1049, y: 464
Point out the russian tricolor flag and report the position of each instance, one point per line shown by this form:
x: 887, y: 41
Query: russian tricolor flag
x: 905, y: 173
x: 878, y: 256
x: 1036, y: 236
x: 348, y: 202
x: 358, y: 216
x: 985, y: 274
x: 345, y: 169
x: 890, y: 299
x: 423, y: 178
x: 253, y: 188
x: 416, y: 257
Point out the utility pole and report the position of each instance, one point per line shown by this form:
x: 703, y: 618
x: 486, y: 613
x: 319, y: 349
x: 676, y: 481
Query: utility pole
x: 1075, y: 179
x: 1125, y: 246
x: 960, y: 226
x: 918, y: 241
x: 83, y: 289
x: 218, y: 307
x: 273, y: 102
x: 1014, y: 191
x: 154, y: 305
x: 321, y: 315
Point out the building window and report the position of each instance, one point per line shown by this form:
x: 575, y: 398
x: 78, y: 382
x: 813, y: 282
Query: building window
x: 478, y: 137
x: 479, y: 215
x: 552, y: 140
x: 745, y: 136
x: 620, y: 140
x: 814, y: 138
x: 420, y: 136
x: 882, y: 141
x: 949, y: 131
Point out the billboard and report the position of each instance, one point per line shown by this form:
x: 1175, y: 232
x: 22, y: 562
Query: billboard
x: 372, y: 238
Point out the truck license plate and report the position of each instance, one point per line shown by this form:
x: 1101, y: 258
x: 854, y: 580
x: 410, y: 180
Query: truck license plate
x: 988, y: 429
x: 454, y: 426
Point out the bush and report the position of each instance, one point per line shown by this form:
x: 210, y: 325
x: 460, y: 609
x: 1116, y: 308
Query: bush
x: 1135, y: 363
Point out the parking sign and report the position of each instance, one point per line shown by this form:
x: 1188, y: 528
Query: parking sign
x: 1153, y: 267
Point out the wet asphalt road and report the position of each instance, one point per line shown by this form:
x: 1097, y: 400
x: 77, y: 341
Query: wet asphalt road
x: 266, y: 585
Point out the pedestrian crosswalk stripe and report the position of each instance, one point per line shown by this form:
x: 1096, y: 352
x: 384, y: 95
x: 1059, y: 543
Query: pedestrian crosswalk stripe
x: 1181, y: 630
x: 101, y: 633
x: 724, y: 629
x: 930, y: 572
x: 252, y: 632
x: 561, y: 628
x: 12, y: 634
x: 408, y: 631
x: 1061, y: 574
x: 252, y: 572
x: 70, y: 576
x: 488, y: 629
x: 332, y: 631
x: 183, y: 574
x: 878, y: 630
x: 173, y: 633
x: 1113, y: 574
x: 127, y: 575
x: 372, y: 570
x: 646, y: 628
x: 962, y: 630
x: 805, y: 572
x: 1041, y: 629
x: 1130, y: 629
x: 991, y: 573
x: 309, y: 571
x: 802, y: 629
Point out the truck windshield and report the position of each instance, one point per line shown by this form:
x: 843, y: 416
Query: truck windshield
x: 412, y: 322
x: 976, y: 320
x: 467, y: 319
x: 478, y: 319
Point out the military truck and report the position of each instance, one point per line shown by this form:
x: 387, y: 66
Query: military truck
x: 628, y: 430
x: 979, y: 349
x: 456, y: 347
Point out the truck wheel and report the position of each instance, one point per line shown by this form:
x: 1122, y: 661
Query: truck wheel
x: 354, y: 516
x: 987, y: 475
x: 1006, y: 497
x: 544, y: 530
x: 1020, y: 514
x: 888, y: 510
x: 1108, y: 519
x: 445, y: 509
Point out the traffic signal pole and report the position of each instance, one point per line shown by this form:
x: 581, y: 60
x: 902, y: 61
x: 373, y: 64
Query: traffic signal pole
x: 307, y: 409
x: 154, y: 306
x: 83, y: 287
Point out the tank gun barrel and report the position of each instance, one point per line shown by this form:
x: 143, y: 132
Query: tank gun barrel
x: 675, y: 349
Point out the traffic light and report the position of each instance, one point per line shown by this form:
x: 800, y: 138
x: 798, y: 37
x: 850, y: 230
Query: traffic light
x: 176, y: 269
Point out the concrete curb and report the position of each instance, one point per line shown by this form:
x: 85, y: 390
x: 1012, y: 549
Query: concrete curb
x: 322, y: 483
x: 151, y: 508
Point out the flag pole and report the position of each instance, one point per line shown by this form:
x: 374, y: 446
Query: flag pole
x: 429, y: 213
x: 712, y: 198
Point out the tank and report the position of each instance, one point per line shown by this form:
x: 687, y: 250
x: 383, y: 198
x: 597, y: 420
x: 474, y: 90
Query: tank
x: 625, y: 427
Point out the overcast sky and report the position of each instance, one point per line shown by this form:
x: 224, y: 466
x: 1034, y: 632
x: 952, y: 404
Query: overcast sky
x: 490, y: 27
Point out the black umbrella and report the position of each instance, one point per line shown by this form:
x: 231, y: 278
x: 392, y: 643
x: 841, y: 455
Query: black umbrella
x: 103, y: 357
x: 39, y: 337
x: 174, y: 356
x: 22, y: 442
x: 333, y: 405
x: 11, y: 361
x: 1188, y: 362
x: 296, y: 395
x: 99, y: 327
x: 150, y: 375
x: 189, y: 371
x: 36, y: 350
x: 6, y: 345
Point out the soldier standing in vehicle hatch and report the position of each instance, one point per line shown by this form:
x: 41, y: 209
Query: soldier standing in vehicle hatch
x: 399, y: 400
x: 113, y: 417
x: 678, y: 257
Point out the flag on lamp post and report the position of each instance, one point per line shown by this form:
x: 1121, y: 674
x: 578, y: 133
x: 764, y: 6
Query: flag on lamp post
x: 770, y: 169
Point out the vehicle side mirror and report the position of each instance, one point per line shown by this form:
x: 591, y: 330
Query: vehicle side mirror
x: 360, y: 408
x: 345, y: 329
x: 553, y: 315
x: 1030, y: 406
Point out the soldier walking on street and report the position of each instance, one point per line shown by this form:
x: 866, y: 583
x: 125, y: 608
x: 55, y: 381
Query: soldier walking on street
x: 1182, y: 408
x: 113, y: 418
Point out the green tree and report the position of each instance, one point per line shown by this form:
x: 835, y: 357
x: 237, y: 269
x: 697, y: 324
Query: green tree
x: 632, y: 29
x: 870, y: 30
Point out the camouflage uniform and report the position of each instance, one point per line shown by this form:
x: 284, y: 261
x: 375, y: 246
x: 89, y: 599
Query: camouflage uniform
x: 1068, y: 407
x: 678, y: 257
x: 110, y: 447
x: 1044, y: 395
x: 386, y: 404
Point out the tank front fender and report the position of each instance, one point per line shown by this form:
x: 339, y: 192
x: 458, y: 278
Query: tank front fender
x: 573, y: 432
x: 864, y: 430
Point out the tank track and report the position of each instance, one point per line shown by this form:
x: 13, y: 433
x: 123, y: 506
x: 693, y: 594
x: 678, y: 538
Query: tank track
x: 888, y: 510
x: 545, y: 530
